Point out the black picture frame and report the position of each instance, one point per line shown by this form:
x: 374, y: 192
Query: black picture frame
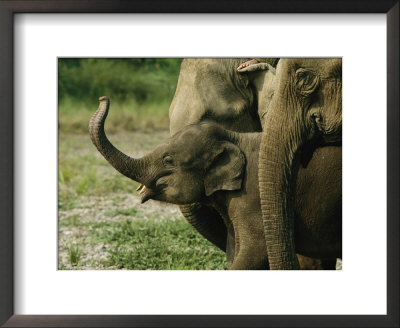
x: 11, y: 7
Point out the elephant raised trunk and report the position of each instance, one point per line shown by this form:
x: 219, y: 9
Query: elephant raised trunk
x: 130, y: 167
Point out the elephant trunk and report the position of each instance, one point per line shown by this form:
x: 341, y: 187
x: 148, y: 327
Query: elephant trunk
x: 276, y: 182
x: 205, y: 219
x: 128, y: 166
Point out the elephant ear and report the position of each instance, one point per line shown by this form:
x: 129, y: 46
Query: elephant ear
x: 226, y: 169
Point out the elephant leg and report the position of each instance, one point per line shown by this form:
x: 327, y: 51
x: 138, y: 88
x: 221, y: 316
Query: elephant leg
x: 250, y: 249
x: 249, y: 257
x: 207, y: 222
x: 309, y: 263
x: 246, y: 260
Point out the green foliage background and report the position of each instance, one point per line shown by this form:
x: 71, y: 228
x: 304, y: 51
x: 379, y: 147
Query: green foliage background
x: 140, y: 89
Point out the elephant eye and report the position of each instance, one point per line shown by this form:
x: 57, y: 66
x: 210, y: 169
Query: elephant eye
x: 168, y: 161
x: 306, y: 81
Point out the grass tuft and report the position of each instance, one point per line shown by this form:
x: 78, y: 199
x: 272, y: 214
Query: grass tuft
x: 74, y: 254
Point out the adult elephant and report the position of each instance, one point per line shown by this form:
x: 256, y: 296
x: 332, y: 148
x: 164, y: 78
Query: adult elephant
x: 213, y: 88
x: 306, y: 105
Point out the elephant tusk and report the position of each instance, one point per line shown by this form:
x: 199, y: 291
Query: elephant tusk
x: 143, y: 190
x: 140, y: 188
x: 147, y: 194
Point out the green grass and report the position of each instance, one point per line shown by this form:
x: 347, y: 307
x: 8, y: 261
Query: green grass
x: 83, y: 172
x: 74, y: 254
x: 72, y: 221
x: 147, y: 245
x: 165, y: 245
x: 122, y: 211
x: 84, y: 178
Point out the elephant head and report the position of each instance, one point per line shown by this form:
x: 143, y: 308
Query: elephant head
x: 212, y: 88
x: 193, y: 164
x: 307, y: 104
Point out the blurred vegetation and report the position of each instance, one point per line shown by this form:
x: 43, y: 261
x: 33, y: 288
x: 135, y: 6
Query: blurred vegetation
x: 140, y: 89
x: 74, y: 254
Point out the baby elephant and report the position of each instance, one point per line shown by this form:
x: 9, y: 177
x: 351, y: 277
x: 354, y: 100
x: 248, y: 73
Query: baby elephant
x: 207, y: 164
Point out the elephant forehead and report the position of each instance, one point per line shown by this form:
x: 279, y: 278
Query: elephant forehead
x: 192, y: 145
x: 190, y: 140
x: 188, y: 134
x: 324, y: 66
x: 202, y: 132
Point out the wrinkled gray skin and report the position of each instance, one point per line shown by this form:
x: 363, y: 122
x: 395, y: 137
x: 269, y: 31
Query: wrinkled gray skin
x: 204, y: 163
x: 306, y: 106
x: 212, y: 88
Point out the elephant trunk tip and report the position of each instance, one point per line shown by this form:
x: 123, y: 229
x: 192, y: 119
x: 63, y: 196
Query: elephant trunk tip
x: 104, y: 99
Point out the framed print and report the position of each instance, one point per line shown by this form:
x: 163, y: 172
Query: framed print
x: 44, y: 280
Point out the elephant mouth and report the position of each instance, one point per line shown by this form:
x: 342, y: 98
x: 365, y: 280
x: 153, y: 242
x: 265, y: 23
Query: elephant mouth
x: 146, y: 193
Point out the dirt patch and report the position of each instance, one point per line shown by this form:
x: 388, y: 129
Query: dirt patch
x: 110, y: 208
